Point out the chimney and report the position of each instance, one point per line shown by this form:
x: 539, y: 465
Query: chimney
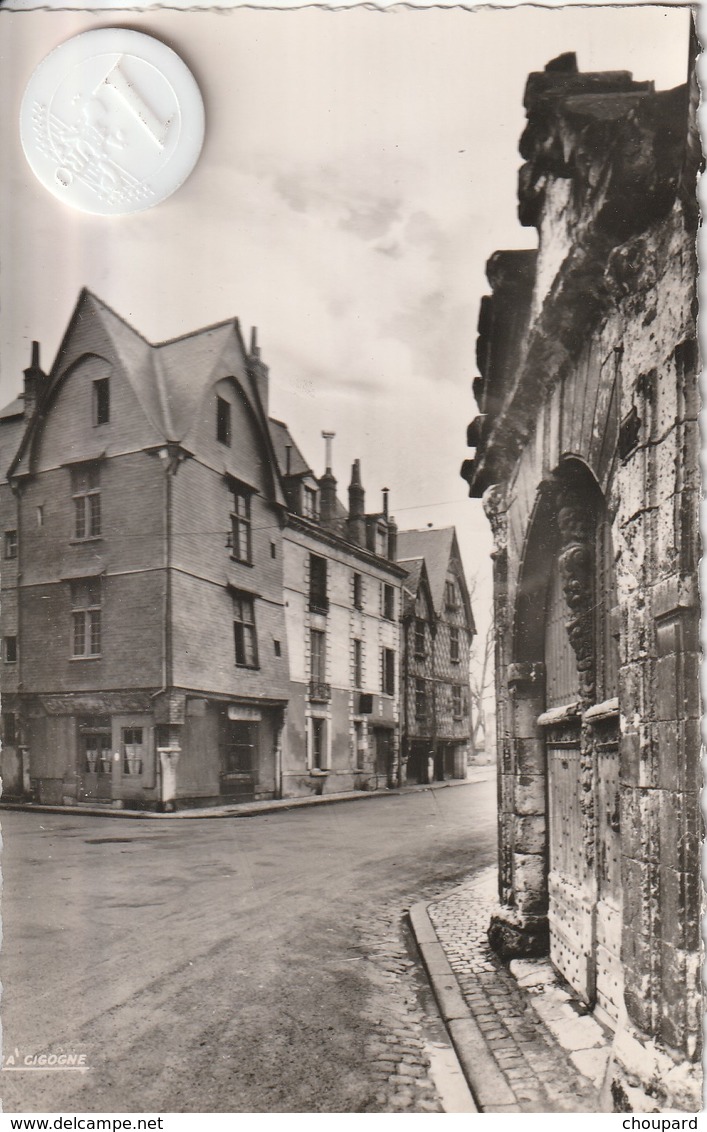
x: 34, y: 381
x: 327, y: 485
x: 386, y: 492
x: 258, y: 370
x: 356, y: 525
x: 392, y: 539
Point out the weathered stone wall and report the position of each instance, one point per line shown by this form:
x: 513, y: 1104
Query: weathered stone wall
x: 600, y: 389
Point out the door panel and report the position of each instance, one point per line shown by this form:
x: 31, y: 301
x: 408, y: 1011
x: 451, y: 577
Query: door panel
x: 95, y: 760
x: 569, y: 888
x: 609, y: 893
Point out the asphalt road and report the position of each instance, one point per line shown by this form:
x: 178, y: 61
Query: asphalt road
x: 232, y: 965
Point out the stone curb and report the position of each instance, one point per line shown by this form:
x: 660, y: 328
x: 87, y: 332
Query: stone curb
x: 245, y: 810
x: 488, y: 1086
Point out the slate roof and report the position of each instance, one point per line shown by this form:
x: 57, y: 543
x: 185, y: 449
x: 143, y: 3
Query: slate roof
x: 435, y: 546
x: 281, y: 437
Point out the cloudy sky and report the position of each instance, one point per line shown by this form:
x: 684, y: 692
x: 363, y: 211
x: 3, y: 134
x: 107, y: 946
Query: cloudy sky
x: 359, y: 169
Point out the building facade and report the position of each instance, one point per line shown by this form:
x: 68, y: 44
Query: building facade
x: 144, y: 642
x: 342, y: 602
x: 189, y: 616
x: 587, y: 462
x: 438, y: 628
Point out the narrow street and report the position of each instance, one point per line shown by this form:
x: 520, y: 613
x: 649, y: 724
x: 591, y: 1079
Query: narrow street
x: 234, y: 965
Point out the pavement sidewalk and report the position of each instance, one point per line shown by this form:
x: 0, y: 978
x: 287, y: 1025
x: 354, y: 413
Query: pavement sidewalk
x: 251, y: 809
x: 525, y: 1042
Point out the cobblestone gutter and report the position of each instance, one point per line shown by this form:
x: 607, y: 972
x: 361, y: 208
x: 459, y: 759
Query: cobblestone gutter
x: 549, y: 1054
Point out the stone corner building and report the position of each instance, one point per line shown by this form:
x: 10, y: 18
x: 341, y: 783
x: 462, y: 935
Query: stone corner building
x: 587, y: 461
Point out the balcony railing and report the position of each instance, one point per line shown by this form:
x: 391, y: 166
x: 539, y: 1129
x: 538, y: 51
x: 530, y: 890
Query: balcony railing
x: 318, y: 603
x: 319, y: 691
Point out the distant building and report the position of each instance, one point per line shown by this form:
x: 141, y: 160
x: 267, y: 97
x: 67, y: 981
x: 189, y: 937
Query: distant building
x: 438, y: 627
x: 342, y: 592
x: 189, y: 615
x: 586, y: 458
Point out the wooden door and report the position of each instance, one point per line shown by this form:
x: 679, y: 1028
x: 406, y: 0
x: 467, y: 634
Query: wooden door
x: 609, y: 979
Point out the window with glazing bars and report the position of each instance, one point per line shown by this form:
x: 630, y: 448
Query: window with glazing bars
x: 86, y: 617
x: 244, y: 635
x: 86, y: 488
x: 241, y: 540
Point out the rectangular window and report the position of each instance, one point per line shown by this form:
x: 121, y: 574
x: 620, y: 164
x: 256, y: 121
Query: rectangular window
x: 388, y: 603
x: 420, y: 701
x: 381, y: 540
x: 388, y: 671
x: 454, y: 654
x: 101, y: 402
x: 309, y: 503
x: 241, y: 542
x: 133, y: 750
x: 11, y: 544
x: 358, y: 664
x: 318, y: 751
x: 277, y: 648
x: 450, y: 594
x: 318, y: 599
x: 86, y: 618
x: 240, y: 747
x: 359, y: 745
x: 457, y: 701
x: 9, y: 728
x: 223, y: 421
x: 317, y: 662
x: 87, y: 501
x: 9, y: 650
x: 358, y: 591
x: 420, y: 637
x: 244, y: 635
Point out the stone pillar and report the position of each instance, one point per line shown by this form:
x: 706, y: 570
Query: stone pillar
x: 521, y: 929
x: 169, y: 757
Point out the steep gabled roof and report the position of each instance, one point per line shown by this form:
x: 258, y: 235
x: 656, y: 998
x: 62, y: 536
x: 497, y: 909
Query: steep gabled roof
x: 435, y: 546
x: 416, y: 579
x: 169, y: 379
x: 440, y: 550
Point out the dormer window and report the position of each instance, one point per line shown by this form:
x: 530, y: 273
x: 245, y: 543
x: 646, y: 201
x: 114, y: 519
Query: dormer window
x: 310, y: 508
x: 101, y: 402
x: 223, y: 421
x: 450, y: 594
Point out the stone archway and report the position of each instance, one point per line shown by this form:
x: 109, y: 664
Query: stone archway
x: 565, y: 892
